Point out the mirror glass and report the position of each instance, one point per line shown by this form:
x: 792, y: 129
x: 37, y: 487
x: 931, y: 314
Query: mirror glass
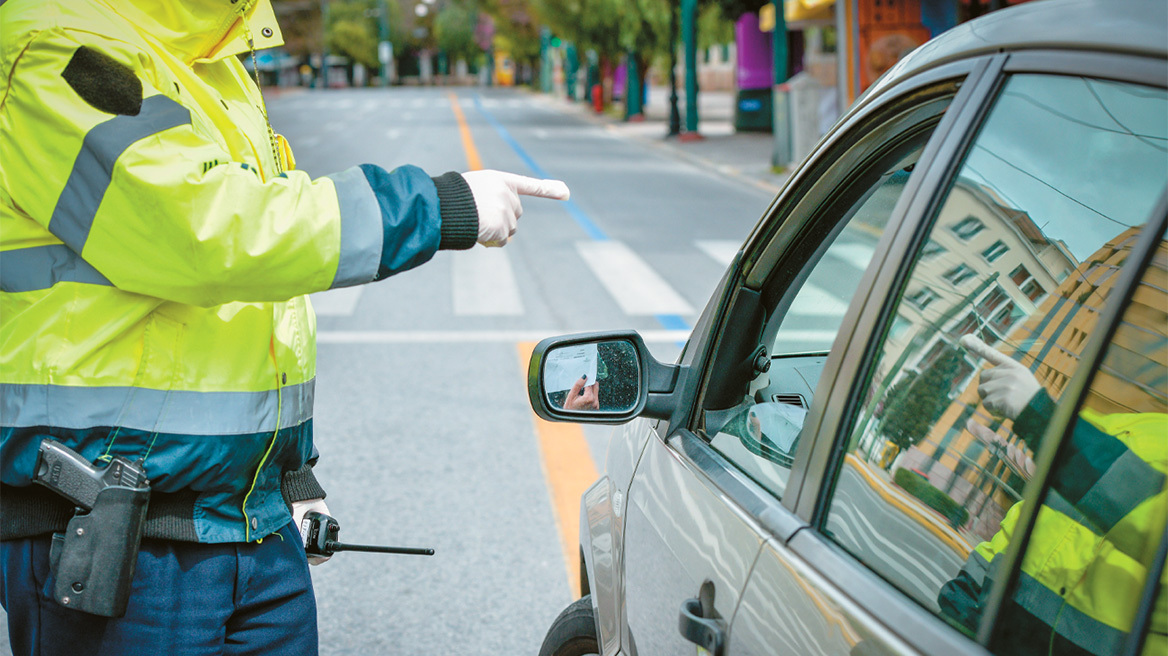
x: 592, y: 377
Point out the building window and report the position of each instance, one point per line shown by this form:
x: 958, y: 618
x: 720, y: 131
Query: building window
x: 1033, y: 290
x: 1019, y: 275
x: 994, y: 252
x: 991, y: 301
x: 959, y: 274
x: 968, y: 227
x: 922, y: 298
x: 932, y: 249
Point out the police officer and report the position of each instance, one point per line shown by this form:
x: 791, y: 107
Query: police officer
x: 157, y: 246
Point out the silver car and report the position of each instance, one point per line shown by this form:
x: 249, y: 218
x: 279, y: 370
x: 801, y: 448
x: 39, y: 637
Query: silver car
x: 926, y: 410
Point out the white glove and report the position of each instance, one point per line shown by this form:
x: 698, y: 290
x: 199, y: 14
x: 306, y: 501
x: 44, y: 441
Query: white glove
x: 299, y: 510
x: 1014, y: 453
x: 496, y: 195
x: 1007, y: 386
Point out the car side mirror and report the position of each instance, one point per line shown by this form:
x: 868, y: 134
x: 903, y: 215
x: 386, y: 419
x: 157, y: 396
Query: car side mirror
x: 598, y: 378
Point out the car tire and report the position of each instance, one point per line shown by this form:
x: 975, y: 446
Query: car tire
x: 574, y: 631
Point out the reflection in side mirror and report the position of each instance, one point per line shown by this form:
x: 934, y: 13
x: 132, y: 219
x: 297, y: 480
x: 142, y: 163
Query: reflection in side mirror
x: 600, y: 377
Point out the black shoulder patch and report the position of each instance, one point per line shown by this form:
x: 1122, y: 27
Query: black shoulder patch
x: 103, y: 82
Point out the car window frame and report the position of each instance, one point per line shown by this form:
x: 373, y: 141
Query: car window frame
x: 841, y: 377
x: 681, y: 433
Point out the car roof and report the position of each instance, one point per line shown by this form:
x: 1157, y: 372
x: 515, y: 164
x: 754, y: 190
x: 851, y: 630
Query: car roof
x: 1120, y: 26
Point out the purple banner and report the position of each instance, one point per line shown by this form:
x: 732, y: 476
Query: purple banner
x: 754, y: 46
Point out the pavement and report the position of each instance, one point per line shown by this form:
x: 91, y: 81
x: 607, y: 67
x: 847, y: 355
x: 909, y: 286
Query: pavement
x: 744, y: 155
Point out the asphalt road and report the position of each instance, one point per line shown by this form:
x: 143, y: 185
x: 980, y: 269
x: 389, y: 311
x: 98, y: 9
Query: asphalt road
x: 422, y: 419
x: 423, y: 422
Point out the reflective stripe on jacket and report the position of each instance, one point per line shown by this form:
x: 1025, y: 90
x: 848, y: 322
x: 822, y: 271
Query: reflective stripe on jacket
x: 154, y: 263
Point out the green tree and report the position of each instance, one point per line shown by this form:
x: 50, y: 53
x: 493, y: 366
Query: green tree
x: 911, y: 413
x: 454, y: 31
x: 354, y: 31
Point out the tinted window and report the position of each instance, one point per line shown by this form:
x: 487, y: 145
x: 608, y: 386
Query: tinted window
x: 1042, y: 212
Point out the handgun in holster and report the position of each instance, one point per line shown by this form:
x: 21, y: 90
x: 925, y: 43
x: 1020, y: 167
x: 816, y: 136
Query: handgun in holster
x: 93, y: 560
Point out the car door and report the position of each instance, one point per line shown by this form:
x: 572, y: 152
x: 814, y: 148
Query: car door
x: 707, y: 492
x: 921, y: 478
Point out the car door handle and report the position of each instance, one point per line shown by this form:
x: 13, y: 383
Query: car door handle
x: 703, y: 632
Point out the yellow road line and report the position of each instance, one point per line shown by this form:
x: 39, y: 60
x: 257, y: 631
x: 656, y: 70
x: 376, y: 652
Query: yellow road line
x: 568, y: 467
x: 472, y: 153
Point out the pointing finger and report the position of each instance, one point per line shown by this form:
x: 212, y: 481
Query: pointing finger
x: 974, y: 345
x: 553, y: 189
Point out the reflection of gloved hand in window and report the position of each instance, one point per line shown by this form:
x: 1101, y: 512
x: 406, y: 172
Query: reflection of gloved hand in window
x: 1013, y: 452
x: 583, y: 397
x: 1007, y: 386
x: 496, y: 195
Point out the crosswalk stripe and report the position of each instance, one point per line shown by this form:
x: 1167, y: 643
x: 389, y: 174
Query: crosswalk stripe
x: 484, y: 284
x: 813, y: 301
x: 722, y: 250
x: 474, y: 336
x: 634, y: 285
x: 336, y: 302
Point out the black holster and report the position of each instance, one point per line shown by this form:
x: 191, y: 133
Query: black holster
x: 93, y: 560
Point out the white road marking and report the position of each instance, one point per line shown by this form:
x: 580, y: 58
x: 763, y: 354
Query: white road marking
x: 858, y: 255
x: 484, y: 284
x: 634, y: 285
x: 540, y: 133
x: 813, y: 301
x: 393, y: 134
x: 471, y: 336
x: 722, y: 250
x: 340, y: 302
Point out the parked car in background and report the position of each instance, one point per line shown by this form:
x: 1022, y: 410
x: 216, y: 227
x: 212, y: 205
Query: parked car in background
x: 926, y: 409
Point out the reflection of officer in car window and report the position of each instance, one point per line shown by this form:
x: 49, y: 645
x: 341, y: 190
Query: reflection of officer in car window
x: 1082, y: 573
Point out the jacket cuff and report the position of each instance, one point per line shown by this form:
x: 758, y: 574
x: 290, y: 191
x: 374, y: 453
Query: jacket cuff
x: 301, y: 485
x: 1031, y: 422
x: 460, y: 215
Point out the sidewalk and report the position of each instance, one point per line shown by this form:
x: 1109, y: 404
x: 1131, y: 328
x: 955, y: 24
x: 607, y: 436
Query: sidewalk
x: 745, y: 155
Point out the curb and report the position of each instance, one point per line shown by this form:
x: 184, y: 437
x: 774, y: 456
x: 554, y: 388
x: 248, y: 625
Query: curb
x: 725, y: 170
x: 923, y: 517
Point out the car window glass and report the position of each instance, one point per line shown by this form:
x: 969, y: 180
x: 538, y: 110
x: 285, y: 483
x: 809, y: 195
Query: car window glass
x: 1010, y: 278
x: 1102, y: 518
x: 764, y: 429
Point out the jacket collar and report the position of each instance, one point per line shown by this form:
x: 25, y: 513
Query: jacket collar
x: 203, y: 30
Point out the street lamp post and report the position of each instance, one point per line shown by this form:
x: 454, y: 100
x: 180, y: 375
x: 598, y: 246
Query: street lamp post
x: 689, y: 10
x: 674, y: 113
x: 324, y: 19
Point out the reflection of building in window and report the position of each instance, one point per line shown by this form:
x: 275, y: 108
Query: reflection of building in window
x: 974, y: 221
x: 968, y: 228
x: 1050, y: 342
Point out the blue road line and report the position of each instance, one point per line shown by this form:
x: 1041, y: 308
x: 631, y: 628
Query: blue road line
x: 574, y: 210
x: 669, y: 321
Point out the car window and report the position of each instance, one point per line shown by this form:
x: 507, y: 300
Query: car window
x: 763, y: 431
x: 997, y: 305
x: 1102, y: 518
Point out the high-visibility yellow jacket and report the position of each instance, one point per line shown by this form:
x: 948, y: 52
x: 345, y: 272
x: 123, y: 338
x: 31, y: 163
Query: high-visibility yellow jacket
x: 156, y: 248
x: 1085, y: 566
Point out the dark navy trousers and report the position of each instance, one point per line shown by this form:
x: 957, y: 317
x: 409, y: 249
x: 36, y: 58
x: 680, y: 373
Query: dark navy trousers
x: 188, y: 599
